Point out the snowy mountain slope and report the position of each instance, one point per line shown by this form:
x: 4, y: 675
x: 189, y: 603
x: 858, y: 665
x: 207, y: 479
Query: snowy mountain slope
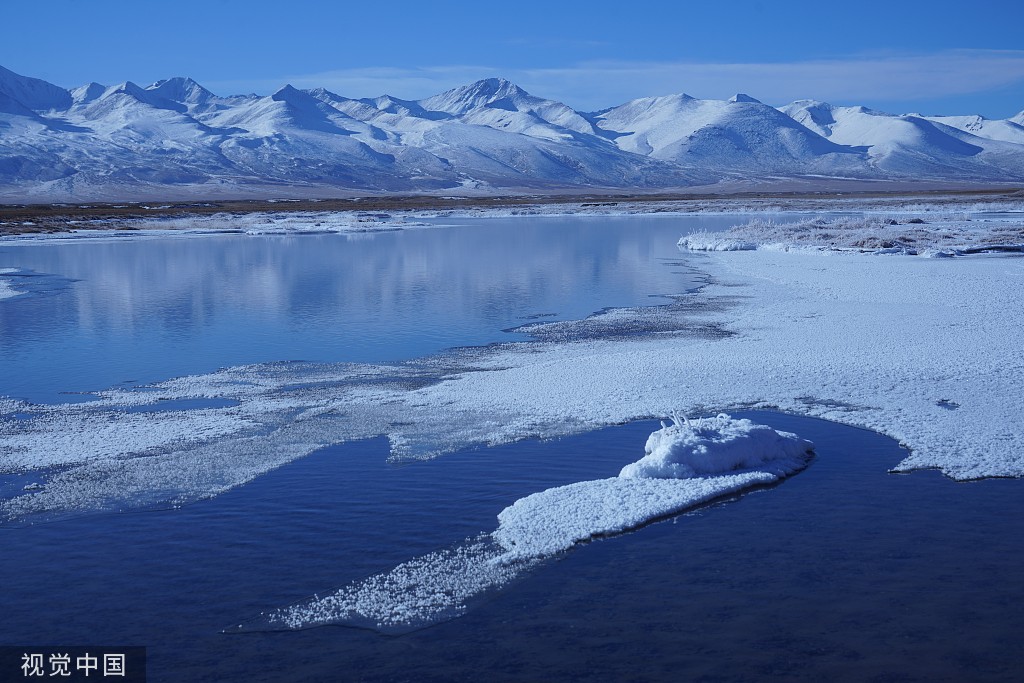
x: 9, y: 105
x: 87, y: 93
x: 496, y: 157
x: 33, y: 93
x: 910, y: 145
x: 21, y: 155
x: 428, y: 144
x: 503, y: 105
x: 389, y: 113
x: 993, y: 129
x: 176, y: 137
x: 293, y: 135
x: 118, y: 135
x: 288, y: 108
x: 183, y: 91
x: 741, y: 134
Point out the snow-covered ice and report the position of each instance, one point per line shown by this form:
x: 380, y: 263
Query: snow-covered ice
x: 416, y: 593
x: 689, y: 448
x: 7, y: 291
x: 942, y: 235
x: 686, y: 464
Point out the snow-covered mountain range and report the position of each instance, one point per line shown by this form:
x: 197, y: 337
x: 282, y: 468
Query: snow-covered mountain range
x: 176, y: 139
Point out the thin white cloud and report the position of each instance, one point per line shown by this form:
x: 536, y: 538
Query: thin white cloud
x: 890, y: 77
x: 599, y: 84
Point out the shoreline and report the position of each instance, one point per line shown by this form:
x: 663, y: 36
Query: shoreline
x: 35, y: 219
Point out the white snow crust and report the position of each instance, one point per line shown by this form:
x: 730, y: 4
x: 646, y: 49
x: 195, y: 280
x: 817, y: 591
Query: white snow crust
x: 938, y: 236
x: 414, y: 594
x: 686, y: 464
x: 717, y: 445
x: 7, y: 290
x: 554, y: 520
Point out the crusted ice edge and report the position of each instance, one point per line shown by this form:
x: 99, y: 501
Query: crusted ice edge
x: 687, y: 463
x: 940, y: 236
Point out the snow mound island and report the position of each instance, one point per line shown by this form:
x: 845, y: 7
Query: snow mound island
x: 687, y: 463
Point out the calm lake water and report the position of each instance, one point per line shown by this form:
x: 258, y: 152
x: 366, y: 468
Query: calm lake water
x: 106, y: 311
x: 843, y: 572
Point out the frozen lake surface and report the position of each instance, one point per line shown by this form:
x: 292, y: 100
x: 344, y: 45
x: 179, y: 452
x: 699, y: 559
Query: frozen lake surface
x: 843, y: 572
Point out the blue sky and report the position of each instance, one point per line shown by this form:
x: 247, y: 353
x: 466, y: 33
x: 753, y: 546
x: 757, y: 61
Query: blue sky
x: 898, y: 56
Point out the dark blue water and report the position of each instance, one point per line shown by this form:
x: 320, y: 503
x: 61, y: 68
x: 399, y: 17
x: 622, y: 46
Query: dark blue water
x: 842, y: 573
x: 105, y: 312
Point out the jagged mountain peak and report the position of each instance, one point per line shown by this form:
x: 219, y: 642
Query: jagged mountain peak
x: 286, y: 92
x: 131, y: 89
x: 490, y: 88
x: 299, y: 110
x: 123, y: 95
x: 181, y: 89
x: 501, y: 104
x: 175, y: 81
x: 489, y: 92
x: 323, y: 94
x: 305, y: 98
x: 89, y: 92
x: 743, y: 97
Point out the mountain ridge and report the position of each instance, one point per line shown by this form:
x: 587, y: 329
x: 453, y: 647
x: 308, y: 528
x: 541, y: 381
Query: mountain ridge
x: 488, y: 136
